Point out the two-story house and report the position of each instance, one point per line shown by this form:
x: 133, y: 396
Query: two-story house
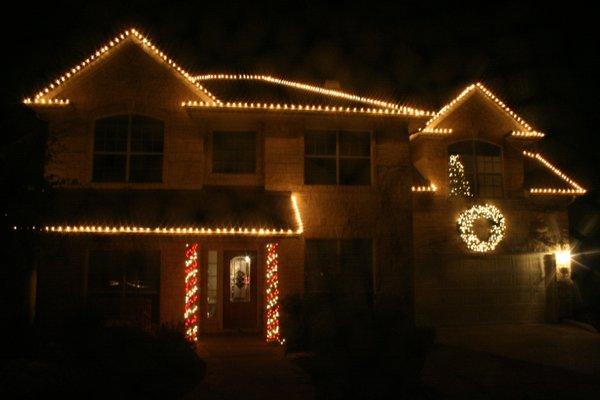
x: 208, y: 198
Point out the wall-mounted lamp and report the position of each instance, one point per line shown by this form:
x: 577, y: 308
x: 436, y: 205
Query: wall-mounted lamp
x: 563, y: 263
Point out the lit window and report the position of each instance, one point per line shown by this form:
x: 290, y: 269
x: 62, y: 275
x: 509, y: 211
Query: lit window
x: 211, y: 285
x: 128, y: 148
x: 337, y: 158
x: 239, y: 279
x: 482, y: 166
x: 234, y: 152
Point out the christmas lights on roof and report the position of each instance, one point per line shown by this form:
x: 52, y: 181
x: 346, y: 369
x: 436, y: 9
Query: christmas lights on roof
x: 41, y: 98
x: 47, y: 102
x: 179, y: 231
x: 432, y: 123
x: 314, y: 89
x: 575, y: 189
x: 172, y: 231
x: 433, y: 132
x: 527, y: 134
x: 308, y: 108
x: 430, y: 188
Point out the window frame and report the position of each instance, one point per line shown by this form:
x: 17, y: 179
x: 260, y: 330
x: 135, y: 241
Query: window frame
x: 474, y: 167
x: 128, y: 153
x: 120, y: 295
x: 338, y: 157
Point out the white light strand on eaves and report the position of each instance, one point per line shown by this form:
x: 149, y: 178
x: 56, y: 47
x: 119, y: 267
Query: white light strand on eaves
x: 314, y: 89
x: 47, y: 102
x: 299, y: 223
x: 577, y: 189
x: 383, y: 112
x: 132, y: 34
x: 179, y: 231
x: 448, y: 107
x: 527, y: 134
x: 433, y: 132
x: 431, y: 188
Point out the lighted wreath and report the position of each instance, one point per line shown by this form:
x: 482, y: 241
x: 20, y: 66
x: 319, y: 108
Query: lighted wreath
x: 467, y: 219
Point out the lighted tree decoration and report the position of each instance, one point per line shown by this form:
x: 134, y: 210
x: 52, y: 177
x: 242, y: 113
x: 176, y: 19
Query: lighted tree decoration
x: 458, y: 183
x: 272, y: 294
x: 191, y: 292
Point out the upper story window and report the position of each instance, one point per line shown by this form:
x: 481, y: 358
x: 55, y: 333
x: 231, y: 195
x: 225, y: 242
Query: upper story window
x: 475, y: 169
x: 234, y: 152
x: 337, y: 158
x: 128, y: 148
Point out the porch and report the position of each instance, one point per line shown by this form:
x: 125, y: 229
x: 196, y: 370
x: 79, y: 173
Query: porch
x: 207, y: 258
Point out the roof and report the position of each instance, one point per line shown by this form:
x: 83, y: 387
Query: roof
x: 262, y: 91
x: 46, y: 96
x: 434, y: 121
x: 420, y: 183
x: 211, y: 210
x: 247, y: 88
x: 542, y: 177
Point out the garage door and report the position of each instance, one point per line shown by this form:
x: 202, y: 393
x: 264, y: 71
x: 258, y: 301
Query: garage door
x: 479, y: 290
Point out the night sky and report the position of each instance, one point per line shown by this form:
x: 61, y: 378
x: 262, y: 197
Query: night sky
x: 542, y: 60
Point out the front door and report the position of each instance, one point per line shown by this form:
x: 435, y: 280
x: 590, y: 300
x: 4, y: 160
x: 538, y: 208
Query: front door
x: 239, y: 294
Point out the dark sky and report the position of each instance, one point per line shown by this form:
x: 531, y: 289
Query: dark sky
x: 543, y: 60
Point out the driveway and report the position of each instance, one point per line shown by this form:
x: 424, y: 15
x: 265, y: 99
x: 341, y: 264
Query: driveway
x: 514, y: 361
x: 245, y: 367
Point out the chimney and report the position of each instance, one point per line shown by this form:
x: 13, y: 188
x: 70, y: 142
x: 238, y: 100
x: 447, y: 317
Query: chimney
x: 332, y: 84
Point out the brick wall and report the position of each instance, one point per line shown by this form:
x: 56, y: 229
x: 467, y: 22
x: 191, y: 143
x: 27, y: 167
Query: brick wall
x: 403, y: 225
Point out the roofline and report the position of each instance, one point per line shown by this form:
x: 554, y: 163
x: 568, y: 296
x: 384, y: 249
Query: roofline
x: 300, y: 108
x: 311, y: 88
x: 180, y: 230
x: 575, y: 189
x: 40, y: 98
x: 464, y: 95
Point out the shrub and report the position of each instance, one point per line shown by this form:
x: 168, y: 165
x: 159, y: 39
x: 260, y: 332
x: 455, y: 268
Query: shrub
x: 99, y: 362
x: 356, y: 346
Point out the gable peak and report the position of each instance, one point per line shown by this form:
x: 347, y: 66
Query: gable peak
x: 467, y: 92
x: 44, y: 96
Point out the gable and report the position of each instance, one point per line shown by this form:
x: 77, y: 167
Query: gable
x: 477, y: 109
x: 480, y: 117
x: 127, y: 60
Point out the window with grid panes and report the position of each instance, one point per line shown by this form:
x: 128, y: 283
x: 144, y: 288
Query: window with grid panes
x: 128, y: 148
x: 125, y: 284
x: 337, y: 158
x: 482, y: 162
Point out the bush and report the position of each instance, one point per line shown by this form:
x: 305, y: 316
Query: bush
x: 356, y: 347
x: 98, y: 362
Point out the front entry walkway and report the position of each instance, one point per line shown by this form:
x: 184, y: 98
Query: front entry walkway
x: 245, y: 367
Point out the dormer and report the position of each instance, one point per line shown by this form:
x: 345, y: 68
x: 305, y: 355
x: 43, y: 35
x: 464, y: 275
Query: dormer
x: 480, y: 137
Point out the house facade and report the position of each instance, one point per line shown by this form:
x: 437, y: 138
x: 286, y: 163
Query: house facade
x: 206, y: 199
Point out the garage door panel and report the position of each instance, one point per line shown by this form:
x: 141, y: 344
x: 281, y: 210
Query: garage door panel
x: 476, y: 290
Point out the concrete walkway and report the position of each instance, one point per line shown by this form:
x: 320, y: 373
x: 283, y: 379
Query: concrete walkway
x: 514, y: 362
x: 564, y: 346
x: 244, y: 367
